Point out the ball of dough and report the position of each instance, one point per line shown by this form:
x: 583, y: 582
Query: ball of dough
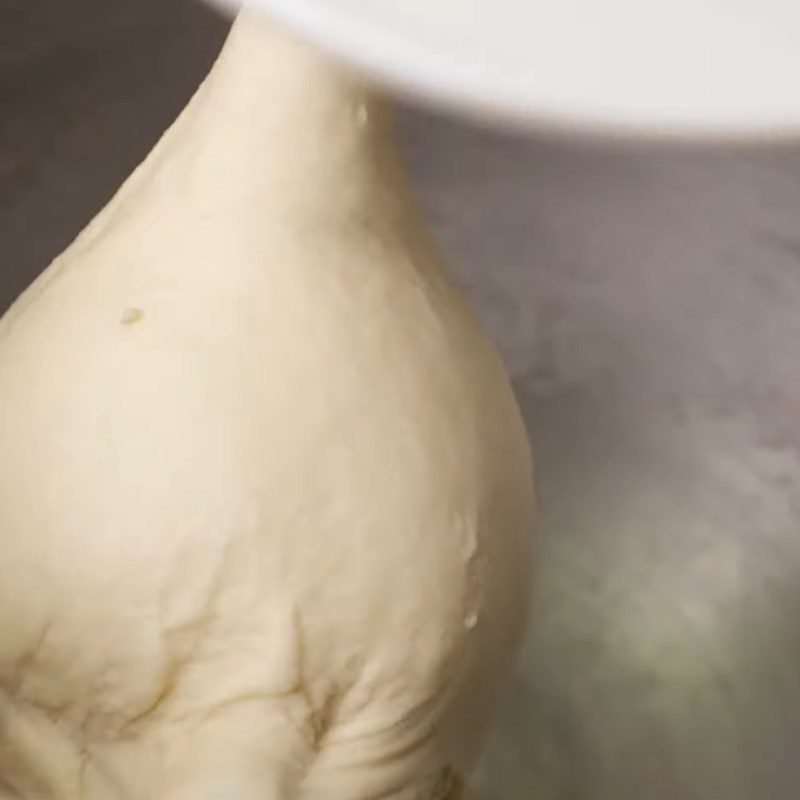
x: 265, y: 494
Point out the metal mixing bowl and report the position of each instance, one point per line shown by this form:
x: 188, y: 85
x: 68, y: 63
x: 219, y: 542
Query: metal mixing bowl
x: 648, y: 305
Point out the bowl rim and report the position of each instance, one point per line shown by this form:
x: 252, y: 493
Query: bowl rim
x: 404, y: 66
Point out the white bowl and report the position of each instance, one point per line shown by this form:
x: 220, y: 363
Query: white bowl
x: 654, y: 67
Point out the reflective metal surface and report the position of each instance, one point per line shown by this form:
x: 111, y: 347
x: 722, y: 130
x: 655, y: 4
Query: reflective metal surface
x: 648, y: 305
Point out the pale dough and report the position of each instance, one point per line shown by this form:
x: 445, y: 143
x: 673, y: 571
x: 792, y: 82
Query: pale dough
x: 265, y: 494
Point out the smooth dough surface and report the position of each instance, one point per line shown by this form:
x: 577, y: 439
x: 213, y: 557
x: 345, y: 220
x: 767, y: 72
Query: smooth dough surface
x: 265, y: 494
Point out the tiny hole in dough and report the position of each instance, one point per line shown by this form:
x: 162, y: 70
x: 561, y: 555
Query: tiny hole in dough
x: 130, y: 316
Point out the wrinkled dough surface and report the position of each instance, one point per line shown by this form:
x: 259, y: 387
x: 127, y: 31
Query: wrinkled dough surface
x: 264, y: 491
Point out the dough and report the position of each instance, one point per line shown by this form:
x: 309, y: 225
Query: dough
x: 265, y: 494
